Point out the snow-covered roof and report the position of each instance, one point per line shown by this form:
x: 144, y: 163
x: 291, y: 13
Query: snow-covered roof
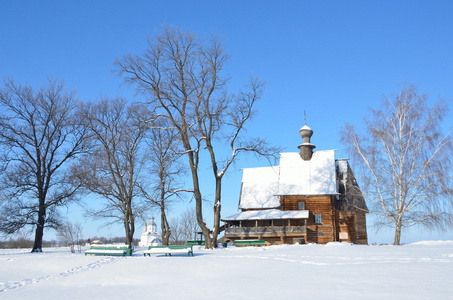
x: 316, y: 176
x: 261, y: 187
x: 268, y: 214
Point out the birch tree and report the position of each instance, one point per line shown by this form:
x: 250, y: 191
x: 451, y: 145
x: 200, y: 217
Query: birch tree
x: 182, y: 77
x: 40, y: 134
x: 406, y: 161
x: 71, y: 235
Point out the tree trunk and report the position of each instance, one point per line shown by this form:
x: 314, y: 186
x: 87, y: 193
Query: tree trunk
x: 201, y: 223
x: 129, y: 227
x: 129, y: 223
x: 129, y: 237
x: 217, y: 207
x: 199, y: 201
x: 163, y: 218
x: 131, y: 230
x: 165, y: 227
x: 397, y: 233
x: 37, y: 246
x: 126, y: 229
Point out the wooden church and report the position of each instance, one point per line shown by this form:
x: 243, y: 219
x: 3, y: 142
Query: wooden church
x: 311, y: 197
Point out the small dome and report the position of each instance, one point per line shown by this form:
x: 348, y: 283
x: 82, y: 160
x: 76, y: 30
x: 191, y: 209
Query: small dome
x: 306, y: 148
x: 305, y: 132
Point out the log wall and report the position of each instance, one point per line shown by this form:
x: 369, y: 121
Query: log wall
x: 344, y: 226
x: 351, y: 227
x: 316, y: 233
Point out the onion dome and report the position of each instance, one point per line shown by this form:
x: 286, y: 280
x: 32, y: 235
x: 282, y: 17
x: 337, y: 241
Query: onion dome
x: 306, y: 148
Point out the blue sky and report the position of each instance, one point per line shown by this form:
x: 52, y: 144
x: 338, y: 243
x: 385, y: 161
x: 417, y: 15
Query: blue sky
x: 332, y: 59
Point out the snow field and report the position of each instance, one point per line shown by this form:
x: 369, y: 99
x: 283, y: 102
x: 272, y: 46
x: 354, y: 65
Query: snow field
x: 421, y: 270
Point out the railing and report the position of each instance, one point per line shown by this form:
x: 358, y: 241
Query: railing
x: 266, y: 230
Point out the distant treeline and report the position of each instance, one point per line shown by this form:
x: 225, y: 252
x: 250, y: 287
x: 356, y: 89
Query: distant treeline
x: 22, y: 242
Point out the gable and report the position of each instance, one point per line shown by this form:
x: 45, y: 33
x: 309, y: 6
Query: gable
x: 313, y: 177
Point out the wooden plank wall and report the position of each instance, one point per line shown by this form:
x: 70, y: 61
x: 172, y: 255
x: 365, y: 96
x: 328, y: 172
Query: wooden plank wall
x: 362, y: 236
x: 354, y: 224
x: 316, y: 233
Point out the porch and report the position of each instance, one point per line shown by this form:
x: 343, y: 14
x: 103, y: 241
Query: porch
x: 273, y: 225
x: 266, y: 230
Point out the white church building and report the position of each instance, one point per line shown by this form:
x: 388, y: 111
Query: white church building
x: 150, y: 236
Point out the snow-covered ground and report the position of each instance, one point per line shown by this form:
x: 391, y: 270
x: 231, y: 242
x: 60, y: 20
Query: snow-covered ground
x: 422, y: 270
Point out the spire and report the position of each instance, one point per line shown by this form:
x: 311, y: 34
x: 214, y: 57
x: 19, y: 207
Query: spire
x: 306, y: 148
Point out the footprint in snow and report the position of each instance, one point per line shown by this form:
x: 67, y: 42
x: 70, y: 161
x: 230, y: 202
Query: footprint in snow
x: 5, y: 286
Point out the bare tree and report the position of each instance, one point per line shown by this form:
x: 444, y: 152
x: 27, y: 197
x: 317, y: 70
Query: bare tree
x: 71, y: 235
x: 20, y: 242
x: 40, y: 134
x: 181, y: 75
x: 406, y: 161
x: 189, y: 224
x: 177, y: 234
x: 184, y: 227
x: 114, y: 168
x: 165, y: 169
